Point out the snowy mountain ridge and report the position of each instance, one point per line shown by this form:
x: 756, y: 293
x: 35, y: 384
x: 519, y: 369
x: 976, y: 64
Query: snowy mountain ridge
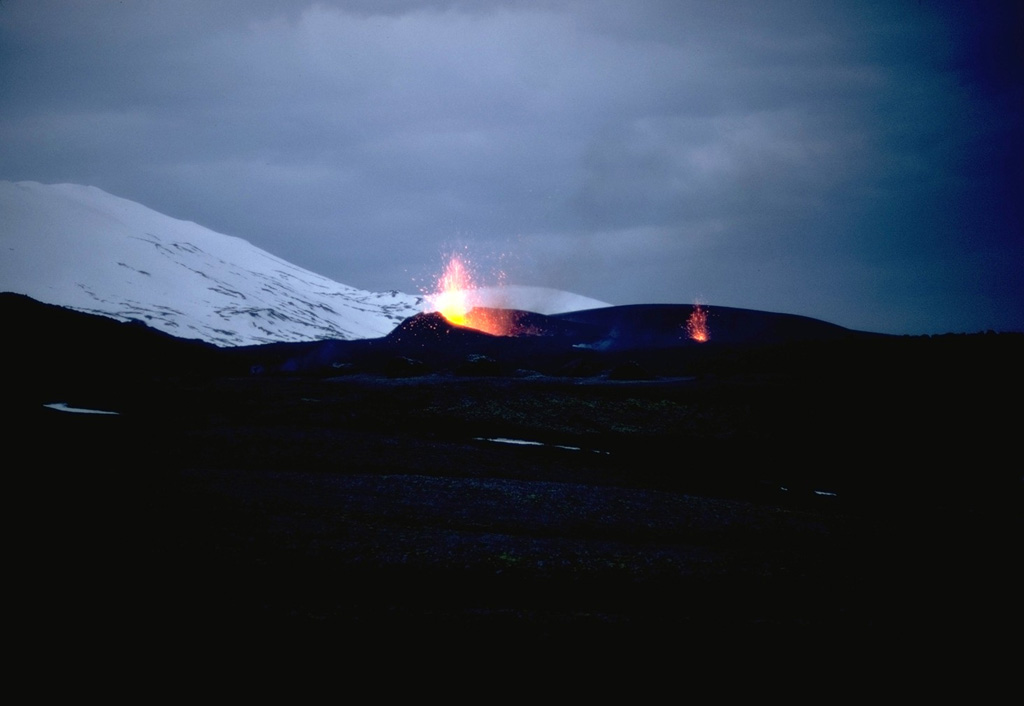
x: 82, y: 248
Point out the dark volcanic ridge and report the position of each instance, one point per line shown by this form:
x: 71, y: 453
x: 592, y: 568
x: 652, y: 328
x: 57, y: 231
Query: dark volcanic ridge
x: 649, y: 340
x: 635, y: 342
x: 640, y: 326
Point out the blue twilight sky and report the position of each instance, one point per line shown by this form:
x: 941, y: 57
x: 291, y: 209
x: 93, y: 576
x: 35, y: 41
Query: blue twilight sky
x: 860, y: 162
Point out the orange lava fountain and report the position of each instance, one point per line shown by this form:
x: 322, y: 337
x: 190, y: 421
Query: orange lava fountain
x: 452, y: 297
x: 697, y: 325
x: 454, y: 301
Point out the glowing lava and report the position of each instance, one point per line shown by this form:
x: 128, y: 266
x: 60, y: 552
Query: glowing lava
x: 452, y: 297
x: 697, y: 325
x: 454, y: 300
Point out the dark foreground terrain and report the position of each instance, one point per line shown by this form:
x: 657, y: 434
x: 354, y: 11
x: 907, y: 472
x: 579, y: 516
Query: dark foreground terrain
x: 369, y: 504
x: 868, y: 500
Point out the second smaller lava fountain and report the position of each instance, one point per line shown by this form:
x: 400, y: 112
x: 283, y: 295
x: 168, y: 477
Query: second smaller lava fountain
x: 697, y: 325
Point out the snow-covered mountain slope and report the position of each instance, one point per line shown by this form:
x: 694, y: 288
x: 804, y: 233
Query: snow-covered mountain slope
x: 82, y: 248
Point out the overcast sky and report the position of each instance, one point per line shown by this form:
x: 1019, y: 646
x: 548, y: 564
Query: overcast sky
x: 859, y: 162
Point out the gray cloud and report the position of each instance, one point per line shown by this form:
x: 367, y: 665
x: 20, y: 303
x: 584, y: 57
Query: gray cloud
x: 859, y: 162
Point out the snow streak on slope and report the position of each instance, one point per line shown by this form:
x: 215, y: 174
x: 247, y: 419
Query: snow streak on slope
x: 80, y: 247
x: 540, y: 300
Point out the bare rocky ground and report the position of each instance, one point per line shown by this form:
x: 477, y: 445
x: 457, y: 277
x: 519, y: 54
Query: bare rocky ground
x: 228, y: 511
